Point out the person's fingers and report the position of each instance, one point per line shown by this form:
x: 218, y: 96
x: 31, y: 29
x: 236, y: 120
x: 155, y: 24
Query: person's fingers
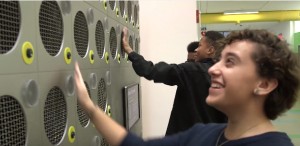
x: 124, y: 36
x: 125, y: 30
x: 77, y: 74
x: 126, y: 45
x: 79, y: 81
x: 76, y: 78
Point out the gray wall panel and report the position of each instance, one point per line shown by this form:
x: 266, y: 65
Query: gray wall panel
x: 123, y: 18
x: 98, y: 38
x: 113, y: 42
x: 21, y: 89
x: 113, y: 10
x: 81, y: 20
x: 51, y: 85
x: 44, y: 82
x: 24, y: 26
x: 52, y: 47
x: 116, y: 96
x: 100, y: 5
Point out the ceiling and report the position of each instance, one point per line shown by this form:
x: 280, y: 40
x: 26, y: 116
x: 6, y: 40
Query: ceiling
x: 210, y: 6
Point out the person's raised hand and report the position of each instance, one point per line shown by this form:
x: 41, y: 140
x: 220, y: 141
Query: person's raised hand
x: 126, y: 45
x: 82, y: 94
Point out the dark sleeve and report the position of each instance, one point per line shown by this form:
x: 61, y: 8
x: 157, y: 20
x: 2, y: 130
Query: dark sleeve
x: 133, y: 140
x: 161, y: 72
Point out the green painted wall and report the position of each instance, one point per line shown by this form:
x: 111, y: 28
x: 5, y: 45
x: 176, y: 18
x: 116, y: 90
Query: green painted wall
x: 290, y: 123
x: 296, y: 41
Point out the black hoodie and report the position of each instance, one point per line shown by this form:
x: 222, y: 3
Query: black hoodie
x: 192, y: 80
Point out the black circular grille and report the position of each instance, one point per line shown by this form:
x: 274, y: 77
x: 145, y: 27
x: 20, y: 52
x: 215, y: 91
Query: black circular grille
x: 51, y: 26
x: 100, y: 39
x: 129, y: 10
x: 83, y: 117
x: 102, y: 99
x: 137, y: 49
x: 112, y: 4
x: 55, y: 115
x: 81, y: 34
x: 135, y: 14
x: 113, y: 42
x: 9, y: 25
x: 122, y: 7
x: 12, y: 122
x: 104, y: 143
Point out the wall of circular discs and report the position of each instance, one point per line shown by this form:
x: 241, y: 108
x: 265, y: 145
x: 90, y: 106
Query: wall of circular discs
x: 39, y: 43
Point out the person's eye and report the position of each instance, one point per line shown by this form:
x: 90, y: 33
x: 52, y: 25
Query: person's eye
x: 229, y: 62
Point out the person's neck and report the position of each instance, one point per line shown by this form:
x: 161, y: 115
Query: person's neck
x: 247, y: 124
x: 191, y: 56
x: 190, y: 60
x: 205, y: 60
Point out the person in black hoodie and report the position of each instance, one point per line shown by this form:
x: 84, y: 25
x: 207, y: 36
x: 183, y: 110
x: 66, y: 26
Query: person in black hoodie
x: 192, y: 80
x: 191, y: 49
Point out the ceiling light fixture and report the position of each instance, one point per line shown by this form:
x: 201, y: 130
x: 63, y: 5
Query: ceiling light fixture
x: 235, y: 12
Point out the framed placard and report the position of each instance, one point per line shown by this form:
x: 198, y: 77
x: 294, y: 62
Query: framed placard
x: 131, y: 105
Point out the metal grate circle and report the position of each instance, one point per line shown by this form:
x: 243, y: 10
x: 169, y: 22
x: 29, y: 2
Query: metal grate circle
x: 51, y: 26
x: 112, y: 4
x: 83, y: 117
x: 137, y: 49
x: 102, y: 98
x: 113, y: 42
x: 122, y: 7
x: 129, y: 10
x: 9, y: 25
x: 100, y: 38
x: 12, y: 122
x: 81, y: 34
x: 55, y: 115
x: 135, y: 14
x: 104, y: 143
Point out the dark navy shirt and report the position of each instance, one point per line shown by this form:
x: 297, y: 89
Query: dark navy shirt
x: 207, y: 135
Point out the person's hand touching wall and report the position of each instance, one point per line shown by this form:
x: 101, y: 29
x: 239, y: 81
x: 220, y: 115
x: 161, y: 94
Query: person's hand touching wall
x: 82, y: 94
x: 126, y: 45
x: 109, y: 129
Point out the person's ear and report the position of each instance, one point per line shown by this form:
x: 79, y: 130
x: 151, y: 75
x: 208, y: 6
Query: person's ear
x: 265, y: 87
x: 211, y: 50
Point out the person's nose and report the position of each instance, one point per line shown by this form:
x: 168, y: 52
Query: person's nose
x: 215, y: 69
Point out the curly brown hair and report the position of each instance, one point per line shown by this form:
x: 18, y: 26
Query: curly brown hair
x: 215, y: 38
x: 274, y: 60
x: 219, y: 47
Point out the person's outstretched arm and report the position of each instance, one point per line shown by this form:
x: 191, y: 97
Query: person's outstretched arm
x: 161, y: 72
x: 111, y: 130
